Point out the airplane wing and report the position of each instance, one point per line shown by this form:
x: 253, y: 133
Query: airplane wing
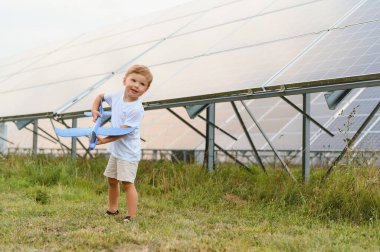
x: 105, y: 113
x: 73, y: 132
x: 103, y: 131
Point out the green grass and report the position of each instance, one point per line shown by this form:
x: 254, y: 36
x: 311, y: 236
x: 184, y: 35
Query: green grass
x: 52, y: 203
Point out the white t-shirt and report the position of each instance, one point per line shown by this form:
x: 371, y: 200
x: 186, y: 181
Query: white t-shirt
x: 125, y: 113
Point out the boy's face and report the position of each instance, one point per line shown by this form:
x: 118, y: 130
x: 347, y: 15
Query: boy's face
x: 136, y: 85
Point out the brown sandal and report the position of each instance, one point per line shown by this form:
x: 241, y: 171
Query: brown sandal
x: 112, y: 213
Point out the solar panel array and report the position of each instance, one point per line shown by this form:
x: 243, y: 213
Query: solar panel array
x: 211, y: 47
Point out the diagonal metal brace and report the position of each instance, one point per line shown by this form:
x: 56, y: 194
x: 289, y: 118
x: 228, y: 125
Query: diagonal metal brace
x: 249, y: 137
x: 217, y: 127
x: 308, y: 116
x: 352, y: 140
x: 268, y: 141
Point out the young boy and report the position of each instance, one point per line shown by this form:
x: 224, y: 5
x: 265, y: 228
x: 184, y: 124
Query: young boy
x: 127, y: 111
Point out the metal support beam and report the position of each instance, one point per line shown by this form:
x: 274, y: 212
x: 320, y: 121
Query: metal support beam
x: 203, y: 135
x: 52, y: 140
x: 352, y: 140
x: 306, y: 138
x: 249, y: 94
x: 308, y: 116
x: 210, y: 141
x: 6, y: 140
x: 74, y: 140
x: 217, y: 127
x: 35, y: 136
x: 56, y: 139
x: 46, y: 133
x: 268, y: 141
x: 258, y: 159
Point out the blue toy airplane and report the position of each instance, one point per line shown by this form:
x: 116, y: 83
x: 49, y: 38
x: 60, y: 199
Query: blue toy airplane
x: 94, y: 131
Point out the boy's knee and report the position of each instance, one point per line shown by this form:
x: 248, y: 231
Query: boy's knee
x: 128, y: 185
x: 113, y: 182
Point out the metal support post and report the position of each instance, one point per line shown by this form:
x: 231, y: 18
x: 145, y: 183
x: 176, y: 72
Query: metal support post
x: 352, y: 140
x: 258, y: 159
x: 3, y: 139
x: 74, y: 140
x: 210, y: 141
x: 35, y: 136
x: 204, y: 136
x: 306, y: 138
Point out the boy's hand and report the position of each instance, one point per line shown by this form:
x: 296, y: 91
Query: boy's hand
x: 95, y: 115
x: 100, y: 140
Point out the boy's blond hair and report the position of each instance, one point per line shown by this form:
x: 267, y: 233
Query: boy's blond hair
x: 141, y: 69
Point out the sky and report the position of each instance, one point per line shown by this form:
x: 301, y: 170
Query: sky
x: 27, y: 24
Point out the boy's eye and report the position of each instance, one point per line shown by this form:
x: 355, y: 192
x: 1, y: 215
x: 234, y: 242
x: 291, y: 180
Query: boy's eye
x: 133, y: 80
x: 143, y: 84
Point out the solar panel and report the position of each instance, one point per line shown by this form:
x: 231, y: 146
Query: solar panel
x: 231, y: 70
x: 376, y: 128
x: 231, y: 12
x: 18, y: 63
x: 127, y: 26
x: 41, y: 99
x: 350, y: 49
x: 188, y: 46
x: 325, y: 144
x: 187, y: 9
x: 287, y: 4
x: 361, y: 106
x: 172, y: 50
x: 369, y: 11
x: 286, y: 23
x: 175, y: 135
x: 373, y: 94
x: 370, y: 142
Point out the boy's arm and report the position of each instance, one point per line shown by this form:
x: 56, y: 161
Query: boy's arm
x: 95, y: 107
x: 109, y: 139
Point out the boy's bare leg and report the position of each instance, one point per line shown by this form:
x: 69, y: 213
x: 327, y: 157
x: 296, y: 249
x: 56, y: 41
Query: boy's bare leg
x: 131, y: 197
x: 113, y: 194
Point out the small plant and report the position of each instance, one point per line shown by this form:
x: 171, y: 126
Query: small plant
x: 39, y: 194
x: 346, y: 133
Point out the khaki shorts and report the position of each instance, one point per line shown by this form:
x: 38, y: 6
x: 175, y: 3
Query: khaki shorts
x: 121, y: 170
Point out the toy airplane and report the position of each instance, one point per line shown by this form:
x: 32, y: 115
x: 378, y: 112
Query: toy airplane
x: 94, y: 131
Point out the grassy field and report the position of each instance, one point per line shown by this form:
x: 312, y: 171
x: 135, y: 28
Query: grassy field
x: 52, y: 204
